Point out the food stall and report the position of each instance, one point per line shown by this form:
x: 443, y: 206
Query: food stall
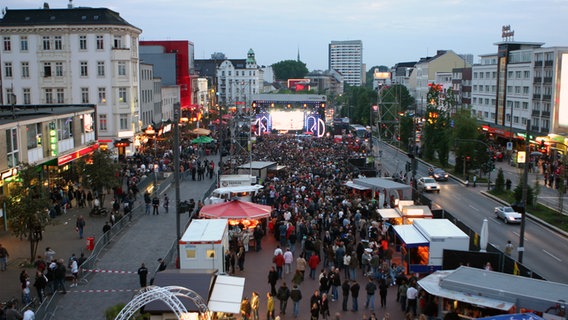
x: 203, y: 244
x: 423, y: 242
x: 409, y: 213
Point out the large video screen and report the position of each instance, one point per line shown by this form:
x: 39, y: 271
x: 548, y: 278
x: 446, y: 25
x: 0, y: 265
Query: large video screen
x: 287, y: 120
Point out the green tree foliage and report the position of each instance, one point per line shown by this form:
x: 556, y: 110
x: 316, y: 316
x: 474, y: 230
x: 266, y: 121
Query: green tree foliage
x: 407, y: 131
x: 289, y: 69
x: 500, y: 182
x: 467, y: 140
x: 27, y: 207
x: 358, y: 104
x: 101, y: 173
x: 518, y: 194
x: 435, y: 135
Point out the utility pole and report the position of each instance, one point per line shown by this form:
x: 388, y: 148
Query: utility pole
x: 176, y: 175
x: 521, y: 248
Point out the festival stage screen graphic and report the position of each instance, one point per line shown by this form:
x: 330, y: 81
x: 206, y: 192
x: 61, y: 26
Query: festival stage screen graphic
x: 287, y: 120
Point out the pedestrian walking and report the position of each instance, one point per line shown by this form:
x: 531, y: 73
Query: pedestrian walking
x: 324, y: 307
x: 509, y: 248
x: 166, y: 203
x: 345, y: 289
x: 355, y: 295
x: 411, y: 297
x: 241, y: 258
x: 370, y: 288
x: 383, y: 290
x: 74, y: 271
x: 147, y: 202
x: 3, y: 258
x: 254, y: 305
x: 283, y: 295
x: 272, y: 279
x: 296, y: 296
x: 143, y: 275
x: 288, y: 258
x: 245, y: 308
x: 80, y: 226
x: 40, y: 283
x: 59, y: 274
x: 269, y: 306
x: 156, y: 205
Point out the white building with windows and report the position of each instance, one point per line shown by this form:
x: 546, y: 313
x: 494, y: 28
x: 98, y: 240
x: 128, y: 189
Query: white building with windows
x: 346, y: 57
x: 238, y: 80
x: 526, y: 86
x: 73, y: 56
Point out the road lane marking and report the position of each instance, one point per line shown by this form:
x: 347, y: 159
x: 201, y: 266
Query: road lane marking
x: 550, y: 254
x: 474, y: 208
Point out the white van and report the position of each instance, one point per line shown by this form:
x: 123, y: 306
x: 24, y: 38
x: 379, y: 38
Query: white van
x: 243, y: 193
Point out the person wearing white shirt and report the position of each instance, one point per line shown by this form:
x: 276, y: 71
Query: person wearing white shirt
x: 411, y: 296
x: 278, y: 251
x: 29, y: 315
x: 288, y: 258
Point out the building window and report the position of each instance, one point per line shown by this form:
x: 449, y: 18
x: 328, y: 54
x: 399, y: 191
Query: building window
x: 12, y: 148
x: 8, y: 70
x: 47, y: 69
x: 25, y: 69
x: 122, y: 68
x: 103, y: 122
x: 518, y: 74
x: 100, y: 43
x: 27, y: 96
x: 527, y: 74
x: 7, y: 44
x: 59, y: 69
x: 122, y: 95
x: 123, y: 121
x: 58, y: 43
x: 100, y: 68
x: 82, y: 42
x: 117, y: 42
x: 33, y: 135
x: 525, y: 90
x: 60, y: 95
x: 46, y: 42
x: 64, y: 128
x: 84, y: 69
x: 48, y: 96
x: 24, y: 43
x: 84, y: 95
x: 10, y: 96
x: 102, y: 95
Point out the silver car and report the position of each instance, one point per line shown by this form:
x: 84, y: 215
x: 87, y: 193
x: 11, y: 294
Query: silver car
x: 428, y: 184
x: 508, y: 215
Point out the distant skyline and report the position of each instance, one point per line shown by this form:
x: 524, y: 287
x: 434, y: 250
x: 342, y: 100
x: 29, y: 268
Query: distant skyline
x: 391, y: 31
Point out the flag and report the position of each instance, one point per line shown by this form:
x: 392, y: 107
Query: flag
x: 516, y: 270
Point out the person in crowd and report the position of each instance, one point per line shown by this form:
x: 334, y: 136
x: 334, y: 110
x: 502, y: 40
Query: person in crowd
x: 296, y: 296
x: 283, y: 295
x: 3, y: 258
x: 143, y: 275
x: 254, y: 305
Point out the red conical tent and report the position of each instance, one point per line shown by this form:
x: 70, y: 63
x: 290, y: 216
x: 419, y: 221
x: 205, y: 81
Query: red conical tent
x: 235, y: 209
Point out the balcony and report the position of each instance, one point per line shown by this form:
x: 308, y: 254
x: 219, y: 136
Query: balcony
x: 537, y: 80
x: 545, y: 114
x: 536, y: 96
x: 538, y: 63
x: 535, y: 129
x: 547, y: 80
x: 546, y: 97
x: 548, y: 63
x: 535, y: 113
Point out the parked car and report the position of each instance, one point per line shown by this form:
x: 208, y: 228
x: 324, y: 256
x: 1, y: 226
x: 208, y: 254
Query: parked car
x: 428, y: 184
x: 508, y: 215
x: 440, y: 175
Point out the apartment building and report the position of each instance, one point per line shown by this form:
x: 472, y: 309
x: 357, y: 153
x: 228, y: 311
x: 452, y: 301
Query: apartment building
x: 346, y: 57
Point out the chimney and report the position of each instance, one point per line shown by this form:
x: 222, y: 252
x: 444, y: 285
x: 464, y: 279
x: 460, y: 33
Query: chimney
x: 70, y: 5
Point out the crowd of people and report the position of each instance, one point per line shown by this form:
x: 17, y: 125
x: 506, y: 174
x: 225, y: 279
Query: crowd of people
x: 333, y: 232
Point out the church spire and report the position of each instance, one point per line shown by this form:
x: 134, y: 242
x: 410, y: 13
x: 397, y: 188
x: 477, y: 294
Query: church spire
x: 298, y: 53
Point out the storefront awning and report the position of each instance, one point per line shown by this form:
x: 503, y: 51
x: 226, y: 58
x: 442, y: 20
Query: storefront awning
x: 410, y: 235
x: 355, y: 186
x: 227, y: 294
x: 431, y: 284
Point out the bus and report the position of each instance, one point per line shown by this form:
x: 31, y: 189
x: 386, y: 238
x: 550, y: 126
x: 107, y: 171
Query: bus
x: 359, y: 132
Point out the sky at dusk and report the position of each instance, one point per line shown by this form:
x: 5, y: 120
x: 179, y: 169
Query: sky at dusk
x: 391, y: 30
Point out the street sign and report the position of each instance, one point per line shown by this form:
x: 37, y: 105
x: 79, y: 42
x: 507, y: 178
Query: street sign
x: 509, y: 146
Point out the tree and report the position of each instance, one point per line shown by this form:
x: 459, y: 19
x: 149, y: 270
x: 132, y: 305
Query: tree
x: 518, y: 194
x: 27, y: 207
x: 467, y: 140
x: 101, y: 172
x: 289, y: 69
x: 500, y: 182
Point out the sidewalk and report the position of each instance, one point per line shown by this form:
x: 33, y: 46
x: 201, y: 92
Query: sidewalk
x: 148, y: 238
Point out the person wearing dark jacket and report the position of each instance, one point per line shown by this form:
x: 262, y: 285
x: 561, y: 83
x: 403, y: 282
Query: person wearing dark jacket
x: 272, y: 279
x: 355, y: 295
x: 345, y: 288
x: 59, y: 275
x: 283, y: 296
x: 296, y: 296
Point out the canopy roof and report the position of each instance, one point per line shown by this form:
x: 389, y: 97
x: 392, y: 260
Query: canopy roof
x: 236, y: 209
x: 410, y: 235
x: 388, y: 213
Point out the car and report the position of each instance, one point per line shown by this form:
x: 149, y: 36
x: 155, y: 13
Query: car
x: 440, y: 175
x: 508, y: 215
x: 428, y: 184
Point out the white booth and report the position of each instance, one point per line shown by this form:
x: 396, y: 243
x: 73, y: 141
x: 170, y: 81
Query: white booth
x: 203, y: 244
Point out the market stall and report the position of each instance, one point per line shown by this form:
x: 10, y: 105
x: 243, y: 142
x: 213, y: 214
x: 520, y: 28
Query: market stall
x: 243, y: 217
x: 203, y: 244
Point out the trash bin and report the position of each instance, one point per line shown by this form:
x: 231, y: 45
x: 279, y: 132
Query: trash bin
x: 90, y: 243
